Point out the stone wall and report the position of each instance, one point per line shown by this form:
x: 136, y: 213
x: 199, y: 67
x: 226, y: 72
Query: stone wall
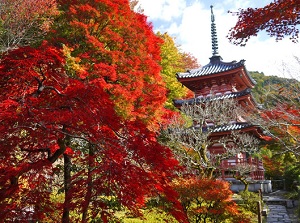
x: 254, y: 186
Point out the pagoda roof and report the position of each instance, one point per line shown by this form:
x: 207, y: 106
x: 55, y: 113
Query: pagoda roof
x: 180, y: 102
x: 232, y: 127
x: 240, y: 126
x: 220, y: 130
x: 215, y: 66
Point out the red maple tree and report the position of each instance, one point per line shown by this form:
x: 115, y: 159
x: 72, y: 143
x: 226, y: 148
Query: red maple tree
x: 208, y: 200
x: 274, y: 167
x: 119, y: 47
x: 279, y: 19
x: 78, y: 118
x: 283, y: 122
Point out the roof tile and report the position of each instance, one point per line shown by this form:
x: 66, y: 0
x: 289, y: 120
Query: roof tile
x: 191, y: 101
x: 234, y: 126
x: 213, y: 67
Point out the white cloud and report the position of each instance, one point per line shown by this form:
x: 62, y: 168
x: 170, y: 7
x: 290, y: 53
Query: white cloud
x: 234, y: 5
x: 173, y: 29
x: 192, y: 32
x: 163, y: 9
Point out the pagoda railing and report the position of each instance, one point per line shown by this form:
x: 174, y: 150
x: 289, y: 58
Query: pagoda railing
x: 230, y: 167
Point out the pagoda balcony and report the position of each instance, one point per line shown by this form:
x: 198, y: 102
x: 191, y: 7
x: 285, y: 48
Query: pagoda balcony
x: 231, y: 166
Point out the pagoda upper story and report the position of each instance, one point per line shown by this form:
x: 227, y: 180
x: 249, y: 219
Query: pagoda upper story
x: 218, y: 77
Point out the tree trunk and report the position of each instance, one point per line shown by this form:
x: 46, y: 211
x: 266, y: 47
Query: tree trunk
x: 246, y: 186
x: 89, y: 185
x: 243, y: 180
x: 209, y: 173
x: 67, y: 182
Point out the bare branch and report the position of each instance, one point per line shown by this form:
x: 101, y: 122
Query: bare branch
x: 193, y: 135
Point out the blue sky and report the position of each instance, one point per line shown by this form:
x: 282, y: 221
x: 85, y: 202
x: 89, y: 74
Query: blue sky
x: 188, y: 21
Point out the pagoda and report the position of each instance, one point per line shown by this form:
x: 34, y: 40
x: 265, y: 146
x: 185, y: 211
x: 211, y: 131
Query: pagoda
x: 225, y: 80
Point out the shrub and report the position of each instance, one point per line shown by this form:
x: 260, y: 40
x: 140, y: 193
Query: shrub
x: 249, y: 201
x: 208, y: 200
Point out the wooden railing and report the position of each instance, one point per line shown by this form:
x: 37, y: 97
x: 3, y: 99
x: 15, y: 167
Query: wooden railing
x: 229, y: 163
x: 228, y: 167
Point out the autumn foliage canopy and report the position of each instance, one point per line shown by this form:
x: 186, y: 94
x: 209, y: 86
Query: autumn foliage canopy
x: 78, y: 118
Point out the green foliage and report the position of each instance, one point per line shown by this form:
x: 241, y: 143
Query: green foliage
x: 276, y: 162
x: 249, y: 201
x: 173, y: 61
x: 292, y: 177
x: 295, y: 195
x: 150, y: 215
x: 280, y: 99
x: 269, y: 90
x: 250, y: 216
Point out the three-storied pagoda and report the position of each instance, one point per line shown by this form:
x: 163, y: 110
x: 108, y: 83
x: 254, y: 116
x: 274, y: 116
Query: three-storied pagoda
x: 225, y: 80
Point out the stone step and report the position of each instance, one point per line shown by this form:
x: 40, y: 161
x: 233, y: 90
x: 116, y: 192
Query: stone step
x: 278, y: 201
x: 278, y: 214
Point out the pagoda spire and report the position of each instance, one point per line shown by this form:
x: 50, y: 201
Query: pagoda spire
x: 214, y: 38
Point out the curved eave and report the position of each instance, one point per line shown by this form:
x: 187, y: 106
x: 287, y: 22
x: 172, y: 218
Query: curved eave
x: 248, y: 100
x: 243, y: 127
x: 243, y: 95
x: 216, y: 66
x: 218, y: 69
x: 182, y: 77
x: 246, y: 77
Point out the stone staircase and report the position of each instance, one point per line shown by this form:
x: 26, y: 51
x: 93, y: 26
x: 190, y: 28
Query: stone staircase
x: 279, y: 209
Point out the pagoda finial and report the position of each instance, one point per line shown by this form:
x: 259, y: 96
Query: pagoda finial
x: 214, y: 38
